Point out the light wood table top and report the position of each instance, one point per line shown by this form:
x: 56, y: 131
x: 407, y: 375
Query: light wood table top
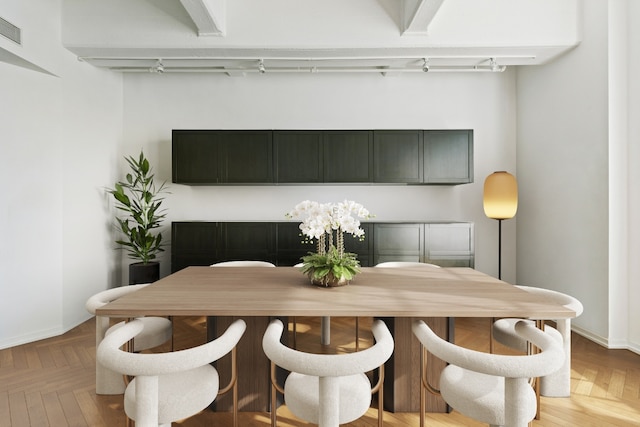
x: 382, y: 292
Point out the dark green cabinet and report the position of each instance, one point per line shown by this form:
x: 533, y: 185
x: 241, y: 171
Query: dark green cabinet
x: 205, y: 243
x: 195, y: 157
x: 222, y: 157
x: 449, y: 244
x: 298, y: 156
x: 248, y: 241
x: 347, y: 156
x: 448, y: 156
x: 194, y: 243
x: 397, y: 156
x: 398, y: 242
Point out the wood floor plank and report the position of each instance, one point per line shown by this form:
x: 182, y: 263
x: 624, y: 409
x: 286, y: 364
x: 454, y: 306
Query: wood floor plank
x: 35, y: 406
x: 53, y: 408
x: 19, y: 412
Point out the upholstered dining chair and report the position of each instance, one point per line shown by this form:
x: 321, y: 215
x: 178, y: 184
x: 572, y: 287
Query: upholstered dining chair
x: 157, y: 331
x: 170, y: 386
x: 327, y: 389
x: 557, y: 384
x: 397, y: 264
x: 490, y: 388
x: 242, y: 263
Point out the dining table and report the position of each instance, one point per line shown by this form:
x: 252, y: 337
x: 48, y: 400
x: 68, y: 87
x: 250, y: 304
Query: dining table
x: 396, y: 295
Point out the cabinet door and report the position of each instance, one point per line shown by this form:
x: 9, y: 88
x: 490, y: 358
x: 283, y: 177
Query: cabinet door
x: 347, y: 156
x: 397, y: 156
x: 194, y: 157
x: 448, y: 156
x: 291, y: 244
x: 398, y: 242
x: 193, y: 243
x: 450, y: 244
x: 248, y: 241
x: 246, y: 157
x: 298, y: 156
x: 362, y: 248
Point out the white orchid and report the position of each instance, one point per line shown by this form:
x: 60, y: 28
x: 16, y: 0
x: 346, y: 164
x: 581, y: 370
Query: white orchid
x: 321, y: 218
x: 323, y: 221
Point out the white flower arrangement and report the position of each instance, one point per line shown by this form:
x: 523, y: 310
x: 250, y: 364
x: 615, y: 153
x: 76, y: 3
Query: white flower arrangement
x: 321, y: 221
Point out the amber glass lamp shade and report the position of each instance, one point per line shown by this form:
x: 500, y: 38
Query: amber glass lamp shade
x: 500, y: 195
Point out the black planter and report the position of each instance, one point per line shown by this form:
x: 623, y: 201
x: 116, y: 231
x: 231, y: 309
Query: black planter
x: 144, y: 273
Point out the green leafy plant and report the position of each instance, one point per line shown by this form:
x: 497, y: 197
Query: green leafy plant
x: 141, y: 200
x: 330, y: 266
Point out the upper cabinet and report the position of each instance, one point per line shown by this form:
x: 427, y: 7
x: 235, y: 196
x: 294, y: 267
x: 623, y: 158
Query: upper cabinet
x: 222, y: 157
x: 397, y: 156
x: 298, y: 156
x: 448, y: 156
x: 213, y: 157
x: 347, y: 156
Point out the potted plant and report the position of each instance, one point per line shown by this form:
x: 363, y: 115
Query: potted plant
x: 140, y: 199
x: 330, y: 265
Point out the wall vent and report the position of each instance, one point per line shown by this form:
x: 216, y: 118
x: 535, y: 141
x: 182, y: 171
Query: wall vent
x: 10, y: 31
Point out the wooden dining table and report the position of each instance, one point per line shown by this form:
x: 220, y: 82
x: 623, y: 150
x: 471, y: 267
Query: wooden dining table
x: 397, y: 295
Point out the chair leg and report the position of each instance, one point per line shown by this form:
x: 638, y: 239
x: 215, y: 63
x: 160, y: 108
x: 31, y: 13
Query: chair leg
x: 357, y: 334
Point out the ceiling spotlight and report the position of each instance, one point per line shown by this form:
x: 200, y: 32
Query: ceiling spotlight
x: 261, y: 68
x: 425, y: 64
x: 494, y: 65
x: 158, y: 68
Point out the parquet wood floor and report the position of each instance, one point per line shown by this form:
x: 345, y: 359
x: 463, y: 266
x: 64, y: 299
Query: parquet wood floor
x: 52, y: 382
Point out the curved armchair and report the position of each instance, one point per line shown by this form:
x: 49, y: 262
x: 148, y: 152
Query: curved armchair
x: 327, y: 389
x: 157, y: 331
x: 169, y: 386
x: 396, y: 264
x: 490, y: 388
x: 243, y: 264
x: 557, y: 384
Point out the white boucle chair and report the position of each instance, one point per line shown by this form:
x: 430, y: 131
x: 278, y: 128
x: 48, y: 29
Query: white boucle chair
x: 169, y: 386
x: 490, y: 388
x: 398, y: 264
x: 243, y: 264
x: 157, y: 331
x: 327, y: 389
x: 557, y: 384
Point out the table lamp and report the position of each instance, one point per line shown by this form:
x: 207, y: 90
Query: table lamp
x: 500, y: 202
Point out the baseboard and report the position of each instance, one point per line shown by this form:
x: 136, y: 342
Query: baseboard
x: 31, y: 337
x: 624, y: 345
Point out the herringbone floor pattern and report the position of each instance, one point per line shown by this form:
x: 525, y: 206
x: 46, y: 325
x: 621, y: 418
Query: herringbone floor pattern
x: 51, y: 382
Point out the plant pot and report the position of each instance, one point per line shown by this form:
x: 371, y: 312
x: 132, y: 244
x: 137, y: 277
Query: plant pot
x: 140, y: 272
x: 329, y: 281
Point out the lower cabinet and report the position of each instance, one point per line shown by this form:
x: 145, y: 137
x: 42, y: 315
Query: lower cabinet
x: 282, y: 243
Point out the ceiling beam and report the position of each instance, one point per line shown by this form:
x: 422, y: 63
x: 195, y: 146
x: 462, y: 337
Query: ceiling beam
x: 418, y: 14
x: 208, y: 15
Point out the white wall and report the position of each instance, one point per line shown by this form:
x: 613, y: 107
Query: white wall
x: 156, y: 104
x: 576, y: 161
x: 59, y: 136
x: 633, y: 167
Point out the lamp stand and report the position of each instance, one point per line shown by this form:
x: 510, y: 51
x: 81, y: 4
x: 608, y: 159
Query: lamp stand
x: 499, y: 249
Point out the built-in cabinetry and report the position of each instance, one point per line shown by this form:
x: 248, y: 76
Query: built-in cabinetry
x: 205, y: 243
x: 212, y: 157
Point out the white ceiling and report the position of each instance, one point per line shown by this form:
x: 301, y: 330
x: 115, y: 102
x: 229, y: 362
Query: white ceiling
x: 384, y: 36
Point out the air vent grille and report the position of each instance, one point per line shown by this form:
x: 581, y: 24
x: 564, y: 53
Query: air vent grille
x: 10, y: 31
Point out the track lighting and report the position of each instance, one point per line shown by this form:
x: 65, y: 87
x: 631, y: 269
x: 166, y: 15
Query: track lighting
x: 425, y: 65
x: 493, y: 64
x: 261, y: 68
x: 158, y: 68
